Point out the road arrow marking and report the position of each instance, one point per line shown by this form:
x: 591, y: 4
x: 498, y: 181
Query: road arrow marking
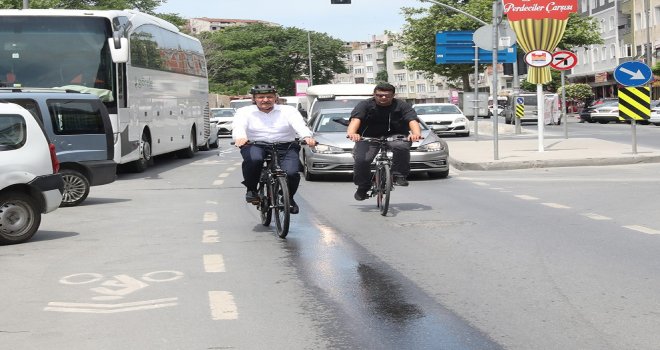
x: 110, y: 308
x: 633, y: 75
x: 124, y: 285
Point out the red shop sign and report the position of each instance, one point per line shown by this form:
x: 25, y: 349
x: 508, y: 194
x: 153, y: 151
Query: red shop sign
x: 539, y: 9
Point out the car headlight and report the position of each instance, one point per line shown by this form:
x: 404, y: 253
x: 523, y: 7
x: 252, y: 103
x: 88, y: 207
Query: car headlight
x: 460, y: 120
x: 326, y: 149
x: 431, y: 147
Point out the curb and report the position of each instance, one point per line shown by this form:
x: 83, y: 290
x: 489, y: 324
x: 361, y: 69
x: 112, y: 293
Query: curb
x: 550, y: 163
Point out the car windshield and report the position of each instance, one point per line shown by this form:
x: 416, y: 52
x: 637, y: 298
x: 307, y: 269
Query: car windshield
x: 437, y: 109
x: 216, y: 113
x: 333, y: 122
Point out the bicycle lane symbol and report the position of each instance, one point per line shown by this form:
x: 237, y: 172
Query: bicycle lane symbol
x: 118, y: 287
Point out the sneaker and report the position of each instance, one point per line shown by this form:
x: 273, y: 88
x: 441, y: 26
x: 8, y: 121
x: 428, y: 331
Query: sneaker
x: 252, y: 197
x: 400, y: 181
x: 294, y: 207
x: 360, y: 195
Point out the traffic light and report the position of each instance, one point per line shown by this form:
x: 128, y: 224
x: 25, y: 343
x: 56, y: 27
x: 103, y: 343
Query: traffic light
x: 340, y: 2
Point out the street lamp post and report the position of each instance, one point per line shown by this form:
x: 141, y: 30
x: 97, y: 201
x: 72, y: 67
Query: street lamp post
x: 309, y: 56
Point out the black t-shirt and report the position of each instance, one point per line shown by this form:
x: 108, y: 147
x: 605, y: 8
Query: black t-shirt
x: 377, y: 121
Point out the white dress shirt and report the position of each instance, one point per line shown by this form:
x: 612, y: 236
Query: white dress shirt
x: 282, y: 124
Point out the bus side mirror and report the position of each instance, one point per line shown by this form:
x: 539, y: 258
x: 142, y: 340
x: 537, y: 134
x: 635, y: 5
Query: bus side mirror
x: 118, y: 49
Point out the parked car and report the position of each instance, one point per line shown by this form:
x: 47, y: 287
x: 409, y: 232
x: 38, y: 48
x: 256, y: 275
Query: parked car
x: 79, y: 126
x: 212, y: 141
x: 443, y: 118
x: 585, y: 114
x: 332, y: 154
x: 223, y: 117
x: 605, y: 113
x: 298, y: 102
x: 29, y: 181
x: 655, y: 113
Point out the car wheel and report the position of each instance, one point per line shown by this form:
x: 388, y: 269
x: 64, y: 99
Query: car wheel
x: 214, y: 144
x: 604, y: 121
x: 308, y: 176
x: 206, y: 146
x: 145, y: 160
x: 656, y: 124
x: 20, y: 217
x: 76, y: 187
x: 437, y: 175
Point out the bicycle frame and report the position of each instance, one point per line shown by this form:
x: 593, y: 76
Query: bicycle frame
x: 382, y: 179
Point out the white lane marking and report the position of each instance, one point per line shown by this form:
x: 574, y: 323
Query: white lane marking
x: 210, y: 236
x: 218, y: 182
x: 526, y: 197
x: 496, y: 188
x: 238, y: 163
x: 211, y: 202
x: 480, y: 183
x: 214, y: 263
x: 223, y: 175
x: 210, y: 216
x: 595, y: 216
x: 222, y: 305
x: 643, y: 229
x: 110, y: 308
x: 556, y: 205
x: 231, y: 168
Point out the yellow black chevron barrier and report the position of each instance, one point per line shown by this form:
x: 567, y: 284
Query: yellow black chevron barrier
x: 520, y: 110
x: 634, y: 103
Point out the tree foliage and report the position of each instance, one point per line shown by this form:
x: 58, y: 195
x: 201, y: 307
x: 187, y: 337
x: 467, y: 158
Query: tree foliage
x: 418, y: 35
x: 578, y: 91
x: 239, y: 57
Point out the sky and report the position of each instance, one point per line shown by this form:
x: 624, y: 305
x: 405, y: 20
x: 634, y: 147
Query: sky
x: 358, y: 21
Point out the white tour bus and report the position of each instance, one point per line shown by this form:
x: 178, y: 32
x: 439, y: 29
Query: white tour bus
x: 151, y: 77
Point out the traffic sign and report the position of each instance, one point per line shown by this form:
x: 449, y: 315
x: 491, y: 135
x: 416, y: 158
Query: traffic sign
x: 483, y: 37
x: 563, y: 60
x: 520, y: 100
x: 538, y: 58
x: 632, y: 73
x: 457, y: 47
x: 634, y: 103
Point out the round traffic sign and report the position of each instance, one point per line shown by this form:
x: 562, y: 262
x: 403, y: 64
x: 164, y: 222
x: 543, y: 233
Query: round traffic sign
x: 632, y: 73
x: 538, y: 58
x: 563, y: 60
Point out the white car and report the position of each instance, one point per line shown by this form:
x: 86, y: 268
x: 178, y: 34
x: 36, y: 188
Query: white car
x: 655, y: 113
x: 443, y: 118
x: 223, y: 117
x: 29, y: 181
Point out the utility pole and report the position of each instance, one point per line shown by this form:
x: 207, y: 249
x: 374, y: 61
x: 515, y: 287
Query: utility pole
x: 309, y: 56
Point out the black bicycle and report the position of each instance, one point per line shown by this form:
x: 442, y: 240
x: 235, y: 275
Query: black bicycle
x: 382, y: 179
x: 273, y: 188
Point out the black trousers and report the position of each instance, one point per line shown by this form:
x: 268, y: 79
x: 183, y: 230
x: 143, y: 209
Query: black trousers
x: 364, y: 153
x: 253, y: 160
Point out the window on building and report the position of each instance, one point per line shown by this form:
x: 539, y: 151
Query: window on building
x: 411, y: 88
x: 400, y: 77
x: 603, y: 53
x: 431, y: 87
x: 370, y: 69
x: 420, y: 76
x: 611, y: 23
x: 421, y: 87
x: 595, y: 54
x: 357, y: 57
x: 613, y: 50
x: 638, y: 50
x: 638, y: 21
x: 369, y: 57
x: 411, y: 76
x: 584, y: 5
x: 358, y: 70
x: 657, y: 15
x: 397, y: 53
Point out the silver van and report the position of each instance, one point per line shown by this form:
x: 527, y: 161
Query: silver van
x: 79, y: 126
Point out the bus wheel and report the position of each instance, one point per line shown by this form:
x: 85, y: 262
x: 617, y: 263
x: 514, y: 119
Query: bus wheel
x: 189, y: 151
x: 146, y: 159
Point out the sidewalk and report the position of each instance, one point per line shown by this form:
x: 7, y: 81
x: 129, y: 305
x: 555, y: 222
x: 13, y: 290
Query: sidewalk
x: 523, y: 153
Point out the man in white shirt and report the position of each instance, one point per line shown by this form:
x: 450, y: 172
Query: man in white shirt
x: 268, y: 121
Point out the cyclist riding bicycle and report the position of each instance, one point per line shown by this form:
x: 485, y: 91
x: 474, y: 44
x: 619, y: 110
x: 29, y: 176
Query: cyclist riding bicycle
x: 382, y: 115
x: 267, y: 121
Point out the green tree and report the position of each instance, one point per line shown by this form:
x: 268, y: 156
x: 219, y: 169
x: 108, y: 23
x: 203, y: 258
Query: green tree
x: 147, y: 6
x: 239, y: 57
x: 418, y: 35
x: 656, y: 68
x: 580, y: 92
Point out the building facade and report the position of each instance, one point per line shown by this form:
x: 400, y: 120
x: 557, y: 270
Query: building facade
x: 204, y: 24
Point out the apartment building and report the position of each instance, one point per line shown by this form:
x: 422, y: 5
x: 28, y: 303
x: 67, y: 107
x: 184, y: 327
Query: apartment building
x: 626, y: 27
x: 368, y: 61
x: 204, y: 24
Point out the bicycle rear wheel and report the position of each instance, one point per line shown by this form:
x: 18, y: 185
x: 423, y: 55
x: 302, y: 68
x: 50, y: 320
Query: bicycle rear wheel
x: 264, y: 207
x: 281, y: 206
x: 383, y: 186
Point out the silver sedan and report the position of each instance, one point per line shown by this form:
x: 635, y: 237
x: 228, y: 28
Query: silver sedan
x: 332, y: 154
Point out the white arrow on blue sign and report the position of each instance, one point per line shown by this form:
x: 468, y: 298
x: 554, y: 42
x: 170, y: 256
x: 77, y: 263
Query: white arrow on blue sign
x: 632, y: 73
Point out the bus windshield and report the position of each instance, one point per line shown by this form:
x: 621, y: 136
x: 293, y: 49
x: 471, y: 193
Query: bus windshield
x: 54, y: 52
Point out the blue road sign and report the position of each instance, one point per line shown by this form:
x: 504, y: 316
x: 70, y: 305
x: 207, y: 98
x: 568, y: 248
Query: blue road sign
x: 632, y: 73
x: 458, y: 47
x: 520, y: 100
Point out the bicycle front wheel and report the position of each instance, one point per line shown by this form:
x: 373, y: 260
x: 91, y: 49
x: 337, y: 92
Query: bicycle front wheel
x: 265, y: 193
x: 281, y: 206
x: 383, y: 186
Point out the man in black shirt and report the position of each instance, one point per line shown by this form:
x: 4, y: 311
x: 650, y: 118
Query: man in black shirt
x: 382, y: 115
